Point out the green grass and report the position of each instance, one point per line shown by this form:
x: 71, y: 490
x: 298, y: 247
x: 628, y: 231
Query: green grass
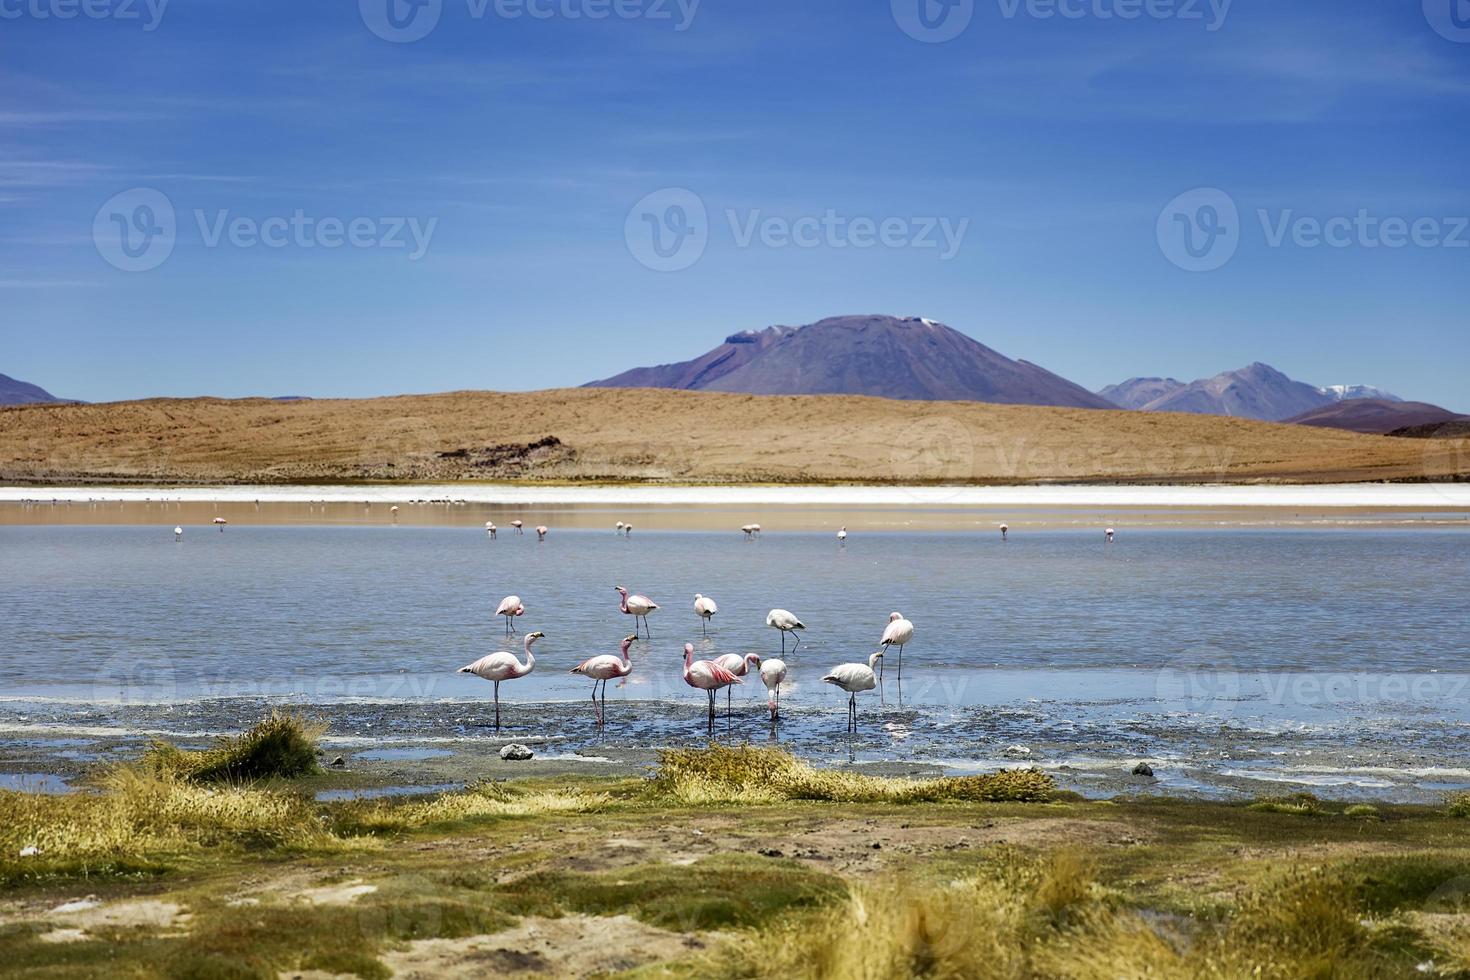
x: 282, y: 746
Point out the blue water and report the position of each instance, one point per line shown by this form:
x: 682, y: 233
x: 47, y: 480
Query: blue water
x: 1218, y: 650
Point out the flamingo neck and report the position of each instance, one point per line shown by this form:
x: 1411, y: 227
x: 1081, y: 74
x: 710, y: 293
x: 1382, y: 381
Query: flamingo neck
x: 624, y: 651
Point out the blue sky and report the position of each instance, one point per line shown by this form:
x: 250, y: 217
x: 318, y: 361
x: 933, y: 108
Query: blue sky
x: 519, y: 146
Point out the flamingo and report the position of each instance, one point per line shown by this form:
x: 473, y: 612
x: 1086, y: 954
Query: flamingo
x: 1005, y: 530
x: 503, y: 666
x: 1109, y: 534
x: 853, y: 678
x: 739, y: 666
x: 842, y: 534
x: 490, y: 528
x: 707, y: 676
x: 749, y: 529
x: 898, y: 632
x: 705, y: 609
x: 541, y: 532
x: 220, y: 523
x: 773, y: 673
x: 628, y: 530
x: 178, y: 534
x: 518, y: 526
x: 636, y: 606
x: 510, y: 607
x: 603, y: 669
x: 786, y: 622
x: 756, y: 528
x: 618, y: 527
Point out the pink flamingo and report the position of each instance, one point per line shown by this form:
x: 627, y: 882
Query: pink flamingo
x: 490, y: 528
x: 708, y: 676
x: 510, y: 607
x: 541, y: 532
x: 739, y: 666
x: 603, y: 669
x: 518, y: 525
x: 773, y: 674
x: 636, y: 606
x: 898, y: 632
x: 503, y: 666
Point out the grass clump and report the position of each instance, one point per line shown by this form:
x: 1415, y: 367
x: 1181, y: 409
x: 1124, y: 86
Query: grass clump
x: 751, y: 775
x: 1366, y: 810
x: 480, y: 801
x: 1297, y: 804
x: 1458, y: 805
x: 282, y: 746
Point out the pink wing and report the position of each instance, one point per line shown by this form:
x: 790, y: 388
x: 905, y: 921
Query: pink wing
x: 721, y: 674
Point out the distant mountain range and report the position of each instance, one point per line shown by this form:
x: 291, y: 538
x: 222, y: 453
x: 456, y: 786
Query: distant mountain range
x: 13, y: 392
x: 909, y: 358
x: 1377, y: 416
x: 1255, y: 392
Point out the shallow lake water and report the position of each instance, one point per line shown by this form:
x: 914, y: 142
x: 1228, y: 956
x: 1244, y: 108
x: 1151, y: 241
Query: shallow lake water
x: 1233, y: 661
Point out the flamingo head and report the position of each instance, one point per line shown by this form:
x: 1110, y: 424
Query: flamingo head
x: 628, y: 641
x: 754, y: 659
x: 534, y: 636
x: 688, y: 650
x: 520, y: 610
x: 895, y: 617
x: 620, y: 590
x: 873, y: 660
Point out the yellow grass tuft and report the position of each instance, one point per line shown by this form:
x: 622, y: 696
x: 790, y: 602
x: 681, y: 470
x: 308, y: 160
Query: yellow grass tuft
x: 282, y: 746
x: 752, y: 776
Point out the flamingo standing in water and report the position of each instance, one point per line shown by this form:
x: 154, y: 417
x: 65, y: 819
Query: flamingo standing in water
x: 786, y: 622
x: 705, y: 609
x: 518, y: 525
x: 510, y: 607
x: 1110, y: 534
x: 541, y: 532
x: 603, y: 669
x: 773, y: 674
x: 178, y: 534
x: 637, y: 606
x: 618, y: 527
x: 708, y: 676
x: 220, y: 523
x: 503, y: 666
x: 853, y: 678
x: 842, y: 534
x: 627, y: 530
x: 898, y: 632
x: 1005, y: 530
x: 739, y: 666
x: 490, y: 528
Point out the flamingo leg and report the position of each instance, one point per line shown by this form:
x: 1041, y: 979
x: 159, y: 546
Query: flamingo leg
x: 497, y: 706
x: 900, y: 661
x: 796, y: 642
x: 704, y: 625
x: 783, y: 643
x: 646, y: 628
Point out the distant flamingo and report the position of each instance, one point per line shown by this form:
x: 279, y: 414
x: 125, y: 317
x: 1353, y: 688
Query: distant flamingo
x: 510, y: 607
x: 637, y: 606
x: 773, y: 674
x: 628, y: 530
x: 786, y: 622
x: 603, y: 669
x: 178, y: 534
x: 541, y: 532
x: 490, y: 528
x: 518, y: 526
x: 842, y: 534
x: 708, y: 676
x: 739, y: 666
x: 1110, y: 534
x: 757, y: 529
x: 705, y: 609
x: 1005, y: 530
x: 749, y: 530
x: 220, y: 523
x: 853, y: 678
x: 898, y: 632
x: 618, y: 527
x: 504, y: 666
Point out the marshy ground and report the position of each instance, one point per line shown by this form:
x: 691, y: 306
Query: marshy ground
x: 727, y: 863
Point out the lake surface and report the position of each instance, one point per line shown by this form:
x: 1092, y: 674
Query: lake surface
x: 1234, y: 661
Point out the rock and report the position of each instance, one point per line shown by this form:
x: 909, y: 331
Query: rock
x: 770, y: 852
x: 339, y: 763
x: 1143, y: 769
x: 516, y: 752
x: 30, y: 850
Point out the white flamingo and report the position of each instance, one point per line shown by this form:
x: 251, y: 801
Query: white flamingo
x: 707, y: 676
x: 541, y: 530
x: 603, y: 669
x: 739, y: 666
x: 773, y: 675
x: 842, y: 534
x: 898, y: 632
x: 220, y: 523
x: 853, y: 678
x: 1005, y: 530
x: 519, y: 526
x: 1110, y: 534
x: 510, y: 607
x: 705, y: 609
x: 178, y: 534
x: 490, y: 528
x: 637, y: 606
x: 618, y: 527
x: 504, y: 666
x: 786, y: 622
x: 628, y: 530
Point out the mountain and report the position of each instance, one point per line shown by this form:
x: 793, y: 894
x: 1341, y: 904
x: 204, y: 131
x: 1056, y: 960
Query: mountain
x: 13, y: 392
x: 1138, y: 392
x: 1375, y: 415
x: 1255, y: 392
x: 907, y: 358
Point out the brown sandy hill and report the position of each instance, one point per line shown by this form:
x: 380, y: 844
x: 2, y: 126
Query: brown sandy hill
x: 641, y: 434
